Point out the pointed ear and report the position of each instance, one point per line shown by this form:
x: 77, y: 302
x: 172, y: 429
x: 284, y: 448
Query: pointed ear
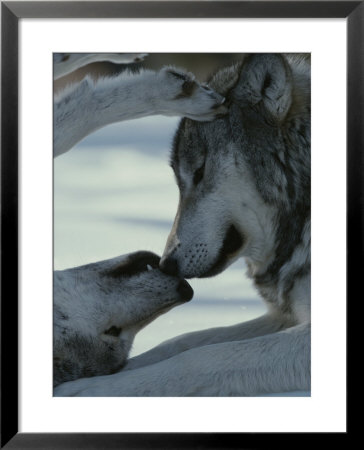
x: 265, y: 83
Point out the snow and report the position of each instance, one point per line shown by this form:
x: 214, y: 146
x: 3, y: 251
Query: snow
x: 115, y: 193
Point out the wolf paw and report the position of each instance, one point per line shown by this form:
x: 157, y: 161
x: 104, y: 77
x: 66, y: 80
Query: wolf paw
x: 187, y: 97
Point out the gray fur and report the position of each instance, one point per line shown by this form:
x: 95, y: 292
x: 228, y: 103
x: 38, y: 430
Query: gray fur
x: 244, y: 182
x: 275, y: 151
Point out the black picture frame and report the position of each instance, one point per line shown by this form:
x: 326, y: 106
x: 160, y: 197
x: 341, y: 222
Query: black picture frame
x: 11, y: 12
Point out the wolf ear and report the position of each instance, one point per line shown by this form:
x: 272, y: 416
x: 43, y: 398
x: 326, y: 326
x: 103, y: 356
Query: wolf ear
x: 265, y: 83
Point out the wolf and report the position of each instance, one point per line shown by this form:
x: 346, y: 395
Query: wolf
x: 99, y: 308
x: 244, y: 183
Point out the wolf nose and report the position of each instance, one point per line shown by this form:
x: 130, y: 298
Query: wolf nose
x: 169, y: 266
x: 185, y: 290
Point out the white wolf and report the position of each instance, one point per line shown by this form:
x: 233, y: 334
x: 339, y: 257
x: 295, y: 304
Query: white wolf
x: 99, y: 308
x: 244, y: 183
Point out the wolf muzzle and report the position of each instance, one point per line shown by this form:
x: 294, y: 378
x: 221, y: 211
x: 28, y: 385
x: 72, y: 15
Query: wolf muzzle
x: 232, y: 243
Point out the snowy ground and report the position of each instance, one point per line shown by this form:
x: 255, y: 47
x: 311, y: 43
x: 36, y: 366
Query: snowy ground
x: 115, y: 194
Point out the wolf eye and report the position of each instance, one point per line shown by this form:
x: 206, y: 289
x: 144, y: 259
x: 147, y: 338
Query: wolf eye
x: 113, y: 331
x: 198, y: 175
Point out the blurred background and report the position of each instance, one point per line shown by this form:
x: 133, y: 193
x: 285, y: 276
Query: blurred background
x: 115, y: 193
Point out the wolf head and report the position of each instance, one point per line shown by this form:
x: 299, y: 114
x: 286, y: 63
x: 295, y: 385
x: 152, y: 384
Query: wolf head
x: 244, y: 179
x: 98, y: 309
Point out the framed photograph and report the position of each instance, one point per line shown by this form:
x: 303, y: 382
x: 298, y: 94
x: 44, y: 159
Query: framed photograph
x: 110, y: 223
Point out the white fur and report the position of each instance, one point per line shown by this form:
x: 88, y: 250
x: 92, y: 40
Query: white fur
x: 98, y: 309
x: 210, y: 363
x: 87, y: 106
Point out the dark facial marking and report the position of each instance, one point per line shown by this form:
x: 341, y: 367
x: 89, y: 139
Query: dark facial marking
x: 233, y: 241
x: 135, y: 264
x: 65, y: 58
x: 198, y: 175
x: 174, y: 156
x: 188, y: 143
x: 113, y: 331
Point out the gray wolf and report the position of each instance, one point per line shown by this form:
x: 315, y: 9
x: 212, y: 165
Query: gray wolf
x: 99, y: 308
x: 244, y: 182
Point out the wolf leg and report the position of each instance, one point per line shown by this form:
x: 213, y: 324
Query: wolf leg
x: 278, y: 362
x: 89, y: 105
x: 261, y: 326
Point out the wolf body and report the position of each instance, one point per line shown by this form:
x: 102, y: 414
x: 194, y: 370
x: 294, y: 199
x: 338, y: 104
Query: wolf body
x: 244, y: 182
